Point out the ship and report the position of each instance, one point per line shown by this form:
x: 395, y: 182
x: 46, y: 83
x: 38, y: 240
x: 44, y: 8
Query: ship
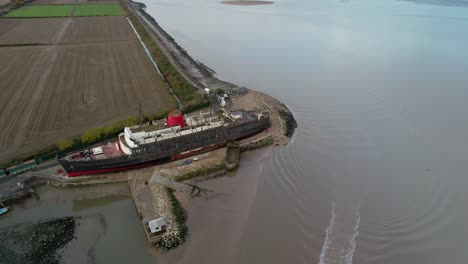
x: 176, y: 137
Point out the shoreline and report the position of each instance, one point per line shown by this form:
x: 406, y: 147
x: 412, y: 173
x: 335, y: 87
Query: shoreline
x: 158, y: 198
x: 195, y: 72
x: 282, y: 129
x: 246, y: 2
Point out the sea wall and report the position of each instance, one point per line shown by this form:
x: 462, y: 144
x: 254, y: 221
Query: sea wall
x: 197, y: 73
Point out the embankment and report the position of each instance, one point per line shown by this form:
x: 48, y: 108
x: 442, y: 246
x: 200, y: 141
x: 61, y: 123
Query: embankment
x: 195, y: 72
x: 200, y: 75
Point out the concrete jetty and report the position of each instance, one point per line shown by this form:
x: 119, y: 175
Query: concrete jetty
x: 144, y: 204
x: 18, y: 188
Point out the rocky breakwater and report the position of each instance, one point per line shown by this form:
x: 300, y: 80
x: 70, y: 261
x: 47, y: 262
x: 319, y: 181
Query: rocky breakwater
x: 167, y: 205
x: 37, y: 243
x: 283, y: 124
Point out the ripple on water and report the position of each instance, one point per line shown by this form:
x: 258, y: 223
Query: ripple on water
x: 339, y: 245
x: 403, y: 226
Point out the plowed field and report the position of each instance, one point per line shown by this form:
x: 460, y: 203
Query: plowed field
x: 93, y: 72
x: 84, y: 29
x: 54, y: 2
x: 64, y: 30
x: 30, y: 31
x: 69, y: 2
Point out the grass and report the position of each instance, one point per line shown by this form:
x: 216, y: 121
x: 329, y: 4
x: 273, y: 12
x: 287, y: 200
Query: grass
x: 263, y: 142
x: 199, y: 172
x: 98, y: 10
x: 290, y: 122
x: 42, y: 11
x: 191, y: 100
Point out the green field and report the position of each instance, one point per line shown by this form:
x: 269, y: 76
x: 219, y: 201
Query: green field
x: 42, y: 11
x: 98, y: 10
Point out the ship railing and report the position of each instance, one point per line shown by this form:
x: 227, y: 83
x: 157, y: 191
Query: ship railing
x: 159, y: 122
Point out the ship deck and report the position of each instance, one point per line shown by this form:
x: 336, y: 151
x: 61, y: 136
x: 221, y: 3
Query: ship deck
x: 160, y: 124
x: 105, y: 151
x: 149, y: 127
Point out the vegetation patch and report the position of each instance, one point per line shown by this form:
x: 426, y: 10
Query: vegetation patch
x: 98, y: 10
x: 289, y: 121
x: 65, y: 144
x: 89, y: 137
x: 260, y: 143
x: 42, y: 11
x: 177, y: 231
x: 199, y: 172
x: 191, y: 100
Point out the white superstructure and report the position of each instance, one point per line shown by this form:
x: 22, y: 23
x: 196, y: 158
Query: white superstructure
x: 136, y: 136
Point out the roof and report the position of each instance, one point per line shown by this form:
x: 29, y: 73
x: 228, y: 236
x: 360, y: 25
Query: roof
x: 156, y: 225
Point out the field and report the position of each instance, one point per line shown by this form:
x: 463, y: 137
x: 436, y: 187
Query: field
x: 94, y: 73
x: 64, y: 30
x: 53, y: 2
x: 30, y: 31
x: 65, y: 10
x: 69, y: 2
x: 84, y: 29
x: 98, y: 10
x: 42, y: 11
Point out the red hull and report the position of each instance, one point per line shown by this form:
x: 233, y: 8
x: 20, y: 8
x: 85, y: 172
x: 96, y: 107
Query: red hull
x: 175, y: 157
x: 91, y: 172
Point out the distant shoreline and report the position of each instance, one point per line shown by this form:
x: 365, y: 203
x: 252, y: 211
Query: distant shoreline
x: 247, y: 2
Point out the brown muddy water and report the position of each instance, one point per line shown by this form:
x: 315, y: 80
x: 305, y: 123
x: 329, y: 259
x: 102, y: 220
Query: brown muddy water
x: 377, y: 171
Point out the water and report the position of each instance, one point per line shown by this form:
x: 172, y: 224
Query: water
x: 121, y: 236
x: 377, y: 169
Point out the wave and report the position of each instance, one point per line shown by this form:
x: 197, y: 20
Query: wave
x: 352, y: 242
x: 328, y: 234
x: 340, y: 247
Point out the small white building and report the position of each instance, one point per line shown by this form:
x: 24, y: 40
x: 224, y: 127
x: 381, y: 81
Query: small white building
x: 157, y: 225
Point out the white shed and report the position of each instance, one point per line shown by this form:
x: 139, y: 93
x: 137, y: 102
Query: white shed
x: 157, y: 225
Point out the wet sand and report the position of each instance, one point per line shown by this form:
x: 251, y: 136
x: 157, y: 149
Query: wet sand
x: 247, y: 2
x: 217, y: 223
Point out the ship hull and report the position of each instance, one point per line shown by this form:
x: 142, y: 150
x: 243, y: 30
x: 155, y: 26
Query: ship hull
x: 96, y: 169
x: 167, y: 150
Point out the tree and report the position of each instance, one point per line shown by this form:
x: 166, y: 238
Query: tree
x: 120, y: 125
x: 92, y: 135
x: 65, y: 144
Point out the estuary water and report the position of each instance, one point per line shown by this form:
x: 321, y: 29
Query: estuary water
x: 109, y: 232
x: 378, y: 168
